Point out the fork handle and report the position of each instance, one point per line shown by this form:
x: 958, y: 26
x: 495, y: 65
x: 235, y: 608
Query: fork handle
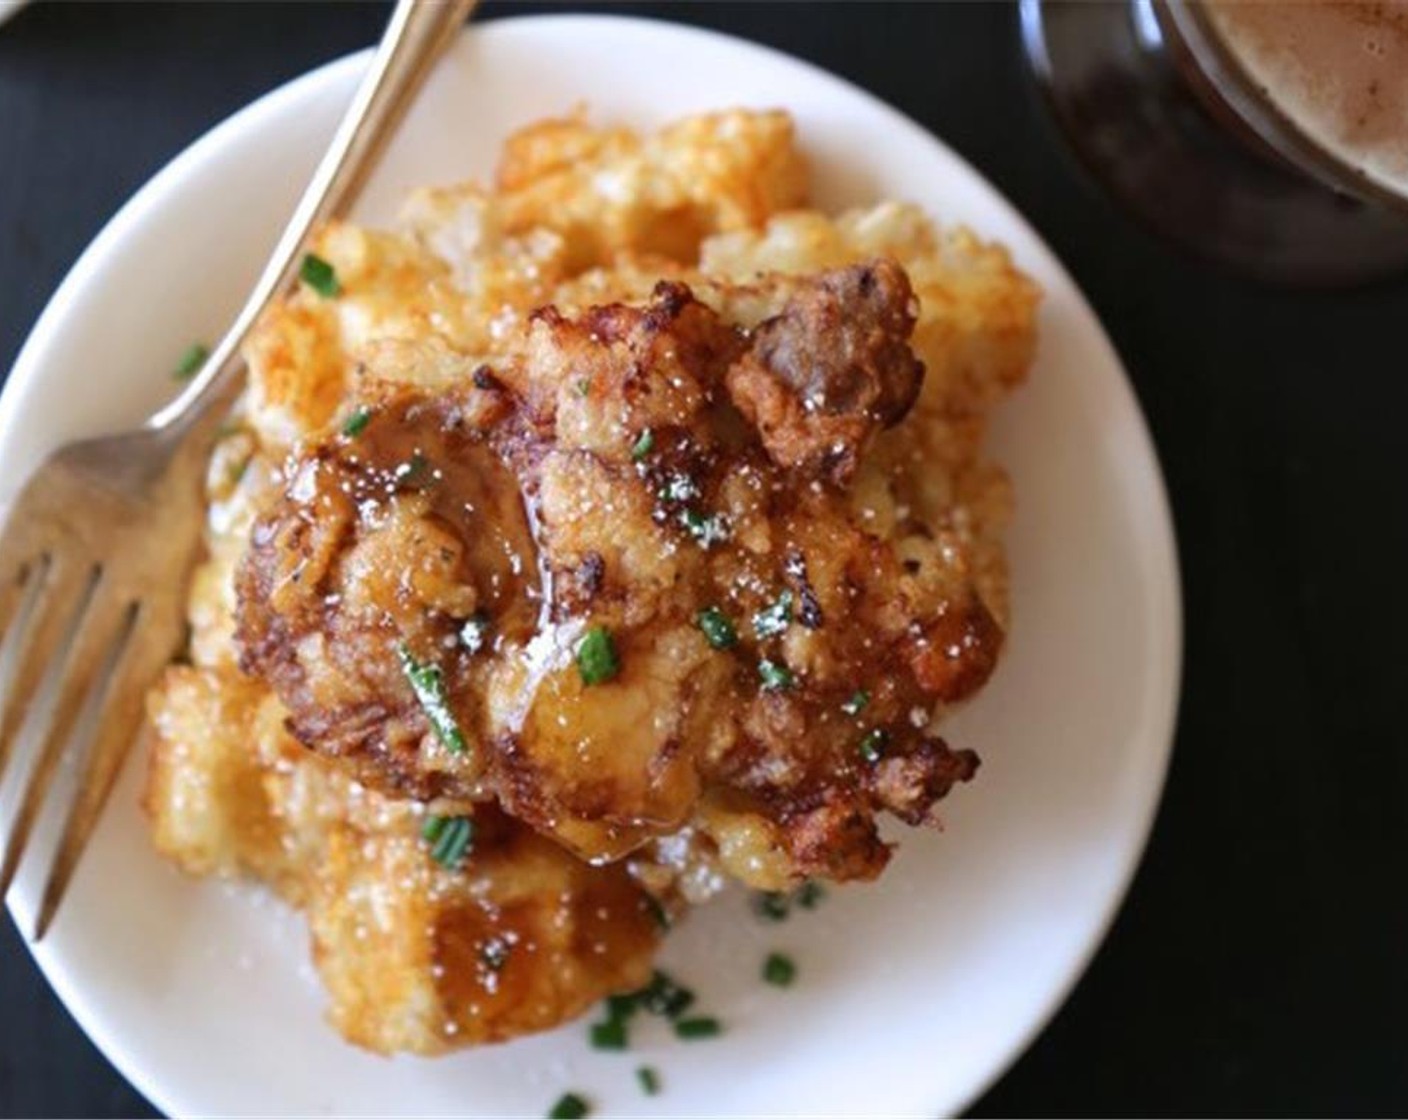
x: 417, y: 34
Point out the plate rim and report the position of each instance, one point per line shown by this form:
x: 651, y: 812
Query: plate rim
x: 1167, y: 585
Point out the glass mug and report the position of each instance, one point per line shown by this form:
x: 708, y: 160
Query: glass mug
x: 1268, y: 135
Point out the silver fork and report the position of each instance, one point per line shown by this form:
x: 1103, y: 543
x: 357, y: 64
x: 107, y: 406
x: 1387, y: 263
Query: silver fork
x: 99, y: 545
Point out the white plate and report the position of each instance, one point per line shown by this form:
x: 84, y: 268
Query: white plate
x: 914, y: 993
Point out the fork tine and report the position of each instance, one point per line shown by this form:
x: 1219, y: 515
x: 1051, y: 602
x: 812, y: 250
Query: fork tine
x: 142, y: 654
x: 89, y: 656
x: 59, y: 603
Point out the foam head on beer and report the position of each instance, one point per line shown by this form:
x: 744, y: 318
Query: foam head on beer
x: 1338, y: 70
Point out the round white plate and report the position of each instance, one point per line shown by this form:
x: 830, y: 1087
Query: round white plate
x: 913, y: 993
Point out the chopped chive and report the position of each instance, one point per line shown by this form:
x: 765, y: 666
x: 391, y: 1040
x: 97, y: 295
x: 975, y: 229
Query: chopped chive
x: 621, y: 1007
x: 718, y: 629
x: 596, y: 656
x: 432, y: 828
x: 191, y: 361
x: 809, y: 894
x: 775, y: 677
x: 663, y: 996
x: 708, y: 531
x: 494, y: 955
x: 873, y: 745
x: 452, y: 842
x: 771, y: 906
x: 779, y: 971
x: 428, y: 684
x: 569, y: 1106
x: 474, y: 634
x: 774, y: 619
x: 319, y: 275
x: 643, y: 446
x: 703, y: 1027
x: 583, y: 387
x: 610, y: 1035
x: 775, y: 906
x: 675, y: 1003
x: 649, y: 1080
x: 357, y: 423
x: 856, y: 703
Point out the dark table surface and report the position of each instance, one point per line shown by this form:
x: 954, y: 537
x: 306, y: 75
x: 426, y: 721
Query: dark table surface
x: 1259, y: 964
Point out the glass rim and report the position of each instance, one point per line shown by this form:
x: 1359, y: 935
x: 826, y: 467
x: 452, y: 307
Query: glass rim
x: 1186, y: 26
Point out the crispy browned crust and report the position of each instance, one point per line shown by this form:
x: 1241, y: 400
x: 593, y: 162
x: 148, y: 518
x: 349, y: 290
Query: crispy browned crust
x: 537, y: 512
x: 832, y: 368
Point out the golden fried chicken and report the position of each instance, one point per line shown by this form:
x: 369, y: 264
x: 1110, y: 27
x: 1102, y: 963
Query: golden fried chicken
x: 818, y: 377
x: 616, y: 584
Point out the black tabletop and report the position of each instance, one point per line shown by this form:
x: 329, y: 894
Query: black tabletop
x: 1260, y: 964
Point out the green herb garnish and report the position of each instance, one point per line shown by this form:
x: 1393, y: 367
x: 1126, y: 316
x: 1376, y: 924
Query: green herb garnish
x: 775, y: 906
x: 873, y: 745
x: 583, y: 387
x: 718, y: 629
x: 809, y: 894
x: 621, y: 1007
x: 449, y: 839
x: 610, y: 1035
x: 357, y: 423
x: 649, y: 1081
x: 643, y: 446
x: 774, y: 619
x: 569, y: 1106
x: 856, y: 703
x: 779, y: 971
x: 703, y: 1027
x: 663, y: 996
x: 428, y: 683
x: 772, y: 906
x: 708, y: 531
x: 319, y: 275
x: 775, y: 677
x: 191, y: 361
x: 596, y: 656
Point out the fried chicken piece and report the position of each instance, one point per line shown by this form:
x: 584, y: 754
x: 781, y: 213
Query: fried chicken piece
x: 675, y: 487
x: 384, y: 547
x: 833, y: 367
